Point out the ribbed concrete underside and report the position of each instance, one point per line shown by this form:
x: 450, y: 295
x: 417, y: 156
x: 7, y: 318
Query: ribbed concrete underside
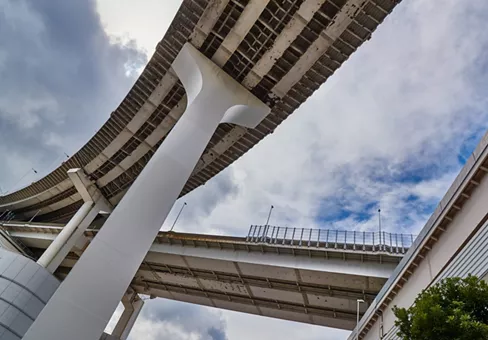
x: 315, y: 285
x: 282, y: 54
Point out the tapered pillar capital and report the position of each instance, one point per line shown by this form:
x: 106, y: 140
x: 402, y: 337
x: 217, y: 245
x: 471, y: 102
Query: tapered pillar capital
x: 205, y: 81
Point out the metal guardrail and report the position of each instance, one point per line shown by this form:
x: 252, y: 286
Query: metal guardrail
x: 5, y: 218
x: 331, y: 239
x: 21, y: 247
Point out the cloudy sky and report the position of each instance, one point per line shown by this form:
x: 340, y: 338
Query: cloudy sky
x: 390, y: 129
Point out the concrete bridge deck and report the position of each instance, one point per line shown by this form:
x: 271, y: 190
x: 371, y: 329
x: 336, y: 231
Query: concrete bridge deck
x: 281, y: 51
x: 309, y: 284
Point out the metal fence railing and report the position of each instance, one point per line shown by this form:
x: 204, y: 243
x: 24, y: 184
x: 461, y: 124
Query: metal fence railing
x: 331, y: 239
x: 5, y: 217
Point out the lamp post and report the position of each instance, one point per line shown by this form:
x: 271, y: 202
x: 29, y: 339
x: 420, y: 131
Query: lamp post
x: 379, y: 225
x: 177, y: 217
x: 357, y: 318
x: 265, y: 230
x: 269, y: 215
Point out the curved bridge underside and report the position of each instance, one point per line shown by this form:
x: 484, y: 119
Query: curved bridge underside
x: 281, y: 50
x: 314, y: 285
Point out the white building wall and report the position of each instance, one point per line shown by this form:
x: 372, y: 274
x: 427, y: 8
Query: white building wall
x: 465, y: 222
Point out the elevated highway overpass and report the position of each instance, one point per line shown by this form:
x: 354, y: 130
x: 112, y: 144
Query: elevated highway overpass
x: 280, y: 50
x: 286, y: 277
x: 224, y: 76
x: 277, y: 53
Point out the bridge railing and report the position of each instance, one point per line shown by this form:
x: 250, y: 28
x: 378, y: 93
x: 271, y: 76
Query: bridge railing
x: 331, y: 239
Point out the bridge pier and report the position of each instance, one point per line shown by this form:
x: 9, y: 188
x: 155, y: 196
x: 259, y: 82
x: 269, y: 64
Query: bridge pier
x: 94, y: 203
x: 132, y: 307
x: 86, y: 300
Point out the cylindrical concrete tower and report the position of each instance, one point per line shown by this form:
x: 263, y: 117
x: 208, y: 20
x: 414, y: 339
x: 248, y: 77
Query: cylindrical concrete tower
x: 25, y: 288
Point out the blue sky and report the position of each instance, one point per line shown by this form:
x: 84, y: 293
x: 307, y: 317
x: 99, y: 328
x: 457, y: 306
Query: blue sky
x: 390, y: 129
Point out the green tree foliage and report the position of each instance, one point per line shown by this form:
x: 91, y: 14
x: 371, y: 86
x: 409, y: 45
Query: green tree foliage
x: 454, y: 308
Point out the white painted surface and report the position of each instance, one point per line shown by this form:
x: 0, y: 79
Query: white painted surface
x: 69, y: 235
x: 442, y: 252
x: 73, y: 238
x: 64, y: 235
x: 83, y: 185
x: 254, y: 262
x: 83, y: 305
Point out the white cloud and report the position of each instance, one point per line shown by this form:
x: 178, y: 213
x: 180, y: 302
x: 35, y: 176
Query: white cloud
x: 12, y: 162
x: 60, y: 79
x: 179, y: 321
x: 54, y: 139
x: 144, y: 21
x: 403, y: 104
x: 27, y: 110
x: 242, y: 326
x: 115, y: 317
x: 167, y: 319
x: 21, y: 18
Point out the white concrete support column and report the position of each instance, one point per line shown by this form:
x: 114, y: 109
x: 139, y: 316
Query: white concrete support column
x: 75, y: 237
x: 132, y: 307
x: 64, y: 235
x: 71, y: 233
x: 85, y: 301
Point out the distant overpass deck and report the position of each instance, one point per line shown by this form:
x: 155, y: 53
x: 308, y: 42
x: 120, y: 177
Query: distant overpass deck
x: 276, y: 277
x: 280, y: 50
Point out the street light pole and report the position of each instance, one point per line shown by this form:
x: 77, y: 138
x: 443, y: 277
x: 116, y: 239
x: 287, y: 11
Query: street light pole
x: 178, y: 216
x: 379, y: 224
x: 357, y: 318
x: 269, y: 215
x: 265, y: 231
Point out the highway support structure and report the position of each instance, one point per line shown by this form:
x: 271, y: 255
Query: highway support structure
x: 86, y: 300
x: 72, y: 233
x: 132, y: 307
